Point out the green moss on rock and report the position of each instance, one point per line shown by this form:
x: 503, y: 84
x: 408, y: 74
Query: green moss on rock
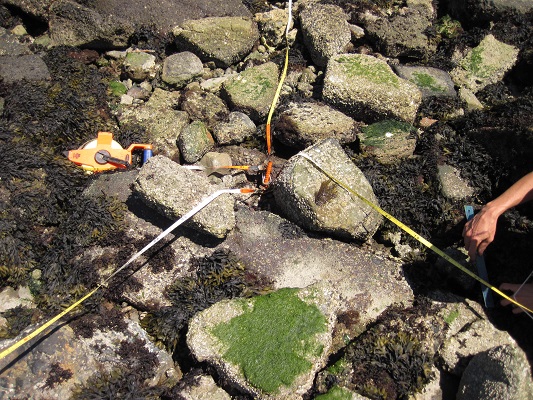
x: 376, y: 72
x: 272, y: 341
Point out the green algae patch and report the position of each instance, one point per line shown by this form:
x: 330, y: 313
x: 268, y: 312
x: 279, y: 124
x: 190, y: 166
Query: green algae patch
x: 427, y: 81
x: 376, y: 134
x: 336, y: 393
x: 375, y: 70
x: 274, y: 339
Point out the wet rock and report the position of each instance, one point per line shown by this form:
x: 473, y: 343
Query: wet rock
x: 213, y: 161
x: 62, y: 361
x: 238, y: 128
x: 140, y: 65
x: 224, y: 40
x: 303, y: 124
x: 453, y: 186
x: 204, y: 106
x: 35, y: 8
x: 403, y: 34
x: 478, y: 11
x: 11, y: 46
x: 311, y: 199
x: 163, y: 123
x: 432, y: 82
x: 325, y: 31
x: 365, y: 281
x: 29, y: 67
x: 181, y: 68
x: 195, y: 140
x: 203, y: 387
x: 253, y: 90
x: 173, y: 191
x: 485, y: 64
x: 72, y: 24
x: 272, y: 25
x: 366, y: 88
x: 389, y: 141
x: 272, y: 345
x: 164, y: 15
x: 499, y: 373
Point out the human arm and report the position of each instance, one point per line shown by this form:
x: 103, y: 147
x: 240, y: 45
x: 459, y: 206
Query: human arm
x: 479, y: 232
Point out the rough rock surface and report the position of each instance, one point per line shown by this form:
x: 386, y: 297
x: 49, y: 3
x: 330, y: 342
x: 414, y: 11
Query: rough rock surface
x: 237, y: 129
x: 432, y: 82
x: 224, y: 40
x: 173, y: 190
x: 181, y: 68
x: 367, y: 88
x: 310, y: 198
x: 303, y: 124
x: 325, y: 31
x: 195, y: 140
x: 499, y: 373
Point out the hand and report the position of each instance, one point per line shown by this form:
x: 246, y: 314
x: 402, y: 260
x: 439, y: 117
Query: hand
x: 524, y: 296
x: 479, y: 232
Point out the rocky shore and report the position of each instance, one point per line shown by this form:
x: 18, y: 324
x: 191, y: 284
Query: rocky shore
x: 299, y: 290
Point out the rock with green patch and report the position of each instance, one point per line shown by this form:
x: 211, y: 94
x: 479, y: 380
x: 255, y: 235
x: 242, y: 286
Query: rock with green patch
x: 366, y: 281
x: 195, y: 140
x: 502, y: 372
x: 140, y: 65
x: 388, y: 140
x: 181, y: 68
x: 485, y: 64
x: 303, y: 124
x: 311, y: 199
x: 325, y: 31
x: 160, y: 119
x: 366, y: 88
x: 224, y: 40
x: 174, y: 190
x: 432, y: 82
x: 272, y: 345
x: 253, y: 90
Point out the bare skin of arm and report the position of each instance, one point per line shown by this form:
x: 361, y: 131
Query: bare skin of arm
x: 479, y: 232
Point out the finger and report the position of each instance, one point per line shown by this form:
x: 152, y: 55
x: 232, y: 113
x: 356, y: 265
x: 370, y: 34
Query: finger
x: 472, y: 250
x: 505, y: 302
x: 482, y: 247
x: 517, y: 310
x: 509, y: 286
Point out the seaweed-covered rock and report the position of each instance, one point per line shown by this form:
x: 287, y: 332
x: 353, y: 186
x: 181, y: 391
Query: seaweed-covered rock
x: 64, y: 362
x: 325, y: 31
x: 181, y: 68
x: 224, y: 40
x: 271, y: 345
x: 173, y: 190
x: 485, y: 64
x: 499, y: 373
x: 478, y: 11
x: 310, y: 198
x: 366, y: 88
x: 303, y: 124
x: 253, y: 90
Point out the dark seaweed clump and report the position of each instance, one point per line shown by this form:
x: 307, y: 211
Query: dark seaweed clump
x: 216, y: 277
x: 391, y: 360
x: 17, y: 318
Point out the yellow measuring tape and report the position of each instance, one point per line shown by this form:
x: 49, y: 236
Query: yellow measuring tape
x: 415, y: 235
